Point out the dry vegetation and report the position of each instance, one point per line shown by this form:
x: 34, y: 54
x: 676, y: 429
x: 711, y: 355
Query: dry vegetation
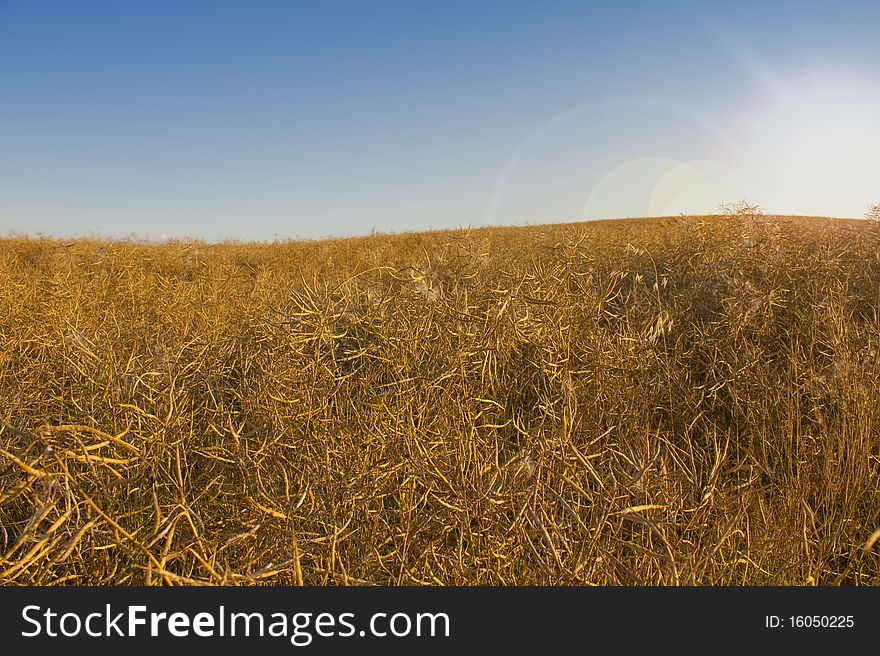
x: 689, y: 401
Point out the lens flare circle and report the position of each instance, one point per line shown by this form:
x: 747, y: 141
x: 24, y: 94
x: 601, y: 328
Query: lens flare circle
x: 661, y: 186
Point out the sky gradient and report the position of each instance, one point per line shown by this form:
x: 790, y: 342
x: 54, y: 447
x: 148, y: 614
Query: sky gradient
x: 267, y: 120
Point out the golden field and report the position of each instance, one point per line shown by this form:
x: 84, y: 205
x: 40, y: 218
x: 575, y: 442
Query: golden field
x: 689, y: 400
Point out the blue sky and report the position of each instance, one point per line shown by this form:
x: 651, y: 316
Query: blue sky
x: 262, y: 120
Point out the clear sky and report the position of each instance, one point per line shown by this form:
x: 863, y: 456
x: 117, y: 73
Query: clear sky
x: 257, y: 120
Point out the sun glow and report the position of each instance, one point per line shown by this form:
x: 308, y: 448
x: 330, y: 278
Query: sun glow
x: 812, y: 146
x: 808, y: 145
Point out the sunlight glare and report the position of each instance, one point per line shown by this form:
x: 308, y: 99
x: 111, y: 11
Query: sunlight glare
x: 813, y: 147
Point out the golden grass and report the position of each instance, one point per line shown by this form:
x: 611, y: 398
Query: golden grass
x: 688, y: 401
